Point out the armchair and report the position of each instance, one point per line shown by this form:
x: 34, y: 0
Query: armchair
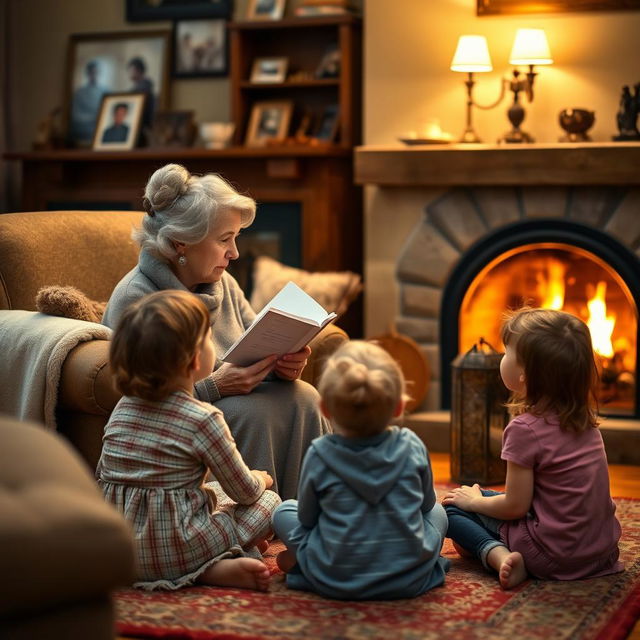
x: 90, y: 250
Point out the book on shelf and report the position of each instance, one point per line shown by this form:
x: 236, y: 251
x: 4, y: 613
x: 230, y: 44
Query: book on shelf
x: 286, y: 324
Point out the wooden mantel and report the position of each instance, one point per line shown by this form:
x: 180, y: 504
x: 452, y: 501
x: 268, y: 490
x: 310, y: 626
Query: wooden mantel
x: 613, y: 163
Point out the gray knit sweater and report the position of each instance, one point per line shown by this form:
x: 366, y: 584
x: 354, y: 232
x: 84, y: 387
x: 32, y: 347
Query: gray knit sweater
x: 230, y: 311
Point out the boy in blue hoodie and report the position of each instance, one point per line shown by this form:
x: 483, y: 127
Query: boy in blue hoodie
x: 366, y: 524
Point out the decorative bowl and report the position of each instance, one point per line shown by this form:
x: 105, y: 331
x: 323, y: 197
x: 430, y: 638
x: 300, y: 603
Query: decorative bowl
x: 576, y: 123
x: 216, y: 135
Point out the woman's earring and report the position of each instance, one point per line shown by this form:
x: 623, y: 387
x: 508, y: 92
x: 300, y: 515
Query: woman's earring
x: 182, y: 260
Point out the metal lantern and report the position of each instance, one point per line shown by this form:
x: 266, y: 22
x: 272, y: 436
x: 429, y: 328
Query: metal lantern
x: 478, y: 416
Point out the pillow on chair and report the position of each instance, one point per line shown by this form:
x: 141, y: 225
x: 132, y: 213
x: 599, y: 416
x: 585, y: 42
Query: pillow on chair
x: 334, y: 290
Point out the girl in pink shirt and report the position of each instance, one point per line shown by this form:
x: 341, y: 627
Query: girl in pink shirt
x: 556, y: 518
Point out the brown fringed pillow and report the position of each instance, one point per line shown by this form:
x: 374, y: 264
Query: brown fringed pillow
x: 334, y: 290
x: 68, y: 302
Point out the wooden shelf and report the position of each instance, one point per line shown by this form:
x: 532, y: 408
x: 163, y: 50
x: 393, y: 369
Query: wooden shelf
x: 304, y: 43
x: 295, y: 23
x: 178, y: 154
x: 291, y: 84
x: 593, y: 163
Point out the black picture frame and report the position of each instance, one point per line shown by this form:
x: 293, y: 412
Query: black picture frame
x: 207, y: 55
x: 149, y: 10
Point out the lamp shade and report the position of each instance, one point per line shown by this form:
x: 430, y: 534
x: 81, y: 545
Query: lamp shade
x: 530, y: 47
x: 472, y: 54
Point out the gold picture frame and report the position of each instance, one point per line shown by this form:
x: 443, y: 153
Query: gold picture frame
x: 504, y: 7
x: 118, y: 124
x: 265, y: 9
x: 269, y: 122
x: 269, y: 70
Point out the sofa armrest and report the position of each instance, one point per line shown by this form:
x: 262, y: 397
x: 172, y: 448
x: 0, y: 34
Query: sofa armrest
x: 61, y: 542
x: 322, y: 346
x: 86, y: 384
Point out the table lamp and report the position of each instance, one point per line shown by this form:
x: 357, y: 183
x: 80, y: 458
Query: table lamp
x: 530, y: 47
x: 471, y: 55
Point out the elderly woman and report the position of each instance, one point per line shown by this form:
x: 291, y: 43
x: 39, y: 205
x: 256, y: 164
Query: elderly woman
x: 187, y: 240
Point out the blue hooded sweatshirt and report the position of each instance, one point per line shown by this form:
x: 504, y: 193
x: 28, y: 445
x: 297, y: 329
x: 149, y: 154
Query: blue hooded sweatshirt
x: 363, y: 507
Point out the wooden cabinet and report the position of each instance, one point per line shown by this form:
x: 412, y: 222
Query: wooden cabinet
x: 314, y: 180
x: 304, y: 43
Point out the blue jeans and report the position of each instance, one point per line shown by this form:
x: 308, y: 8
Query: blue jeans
x: 474, y: 532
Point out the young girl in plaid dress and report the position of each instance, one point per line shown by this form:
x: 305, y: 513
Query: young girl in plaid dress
x: 159, y: 444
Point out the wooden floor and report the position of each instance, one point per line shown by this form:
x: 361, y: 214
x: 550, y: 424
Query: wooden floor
x: 624, y: 482
x: 624, y: 479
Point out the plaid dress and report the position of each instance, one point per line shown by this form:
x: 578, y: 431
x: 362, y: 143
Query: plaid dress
x: 154, y: 459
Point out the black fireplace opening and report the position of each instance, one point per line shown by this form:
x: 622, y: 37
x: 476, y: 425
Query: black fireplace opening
x: 555, y: 264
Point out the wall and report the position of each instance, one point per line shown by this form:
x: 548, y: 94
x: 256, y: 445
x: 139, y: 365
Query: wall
x: 408, y: 51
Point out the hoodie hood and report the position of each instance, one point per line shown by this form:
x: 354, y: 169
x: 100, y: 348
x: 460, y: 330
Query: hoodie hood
x: 369, y: 466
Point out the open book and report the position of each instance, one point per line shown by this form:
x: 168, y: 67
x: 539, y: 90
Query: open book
x: 285, y: 325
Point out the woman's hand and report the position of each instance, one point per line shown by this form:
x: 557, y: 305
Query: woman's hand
x: 233, y: 380
x: 290, y: 366
x: 263, y: 475
x: 463, y: 497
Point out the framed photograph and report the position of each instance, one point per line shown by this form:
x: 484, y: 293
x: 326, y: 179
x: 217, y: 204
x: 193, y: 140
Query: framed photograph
x: 119, y: 121
x: 502, y: 7
x: 269, y: 70
x: 265, y: 9
x: 269, y: 122
x: 173, y: 129
x: 328, y: 125
x: 329, y: 66
x: 146, y: 10
x: 102, y: 63
x: 200, y: 48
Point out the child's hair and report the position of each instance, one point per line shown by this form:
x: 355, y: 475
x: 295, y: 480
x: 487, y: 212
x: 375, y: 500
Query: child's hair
x: 361, y: 386
x: 555, y: 351
x: 155, y: 340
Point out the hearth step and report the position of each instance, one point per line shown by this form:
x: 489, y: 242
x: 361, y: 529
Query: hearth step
x: 621, y: 437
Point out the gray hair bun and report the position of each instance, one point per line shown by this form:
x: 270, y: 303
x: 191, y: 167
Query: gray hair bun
x: 165, y: 186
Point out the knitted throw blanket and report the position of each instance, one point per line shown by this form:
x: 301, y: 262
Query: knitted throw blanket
x: 33, y: 348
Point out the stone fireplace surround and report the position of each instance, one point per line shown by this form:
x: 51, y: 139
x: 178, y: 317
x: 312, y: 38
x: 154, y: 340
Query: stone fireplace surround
x: 444, y: 201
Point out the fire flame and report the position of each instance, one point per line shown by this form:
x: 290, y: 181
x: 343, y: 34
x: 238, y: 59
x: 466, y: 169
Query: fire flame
x: 600, y: 324
x: 555, y: 287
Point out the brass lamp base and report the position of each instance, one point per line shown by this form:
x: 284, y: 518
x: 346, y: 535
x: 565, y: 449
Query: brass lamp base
x: 517, y: 136
x: 470, y: 135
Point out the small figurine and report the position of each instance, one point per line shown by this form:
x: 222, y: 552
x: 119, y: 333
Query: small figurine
x: 48, y: 132
x: 628, y: 114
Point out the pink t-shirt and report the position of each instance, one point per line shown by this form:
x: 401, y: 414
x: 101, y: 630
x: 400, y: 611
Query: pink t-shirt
x: 571, y: 530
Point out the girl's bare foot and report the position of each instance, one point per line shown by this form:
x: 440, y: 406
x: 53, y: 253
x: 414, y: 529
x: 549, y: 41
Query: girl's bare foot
x: 286, y: 560
x: 243, y: 573
x: 512, y: 570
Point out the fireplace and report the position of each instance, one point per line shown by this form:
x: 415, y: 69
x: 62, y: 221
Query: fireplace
x: 556, y: 264
x: 456, y: 234
x: 477, y: 252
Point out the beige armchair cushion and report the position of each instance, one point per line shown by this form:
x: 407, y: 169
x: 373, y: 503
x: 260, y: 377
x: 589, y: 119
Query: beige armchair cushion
x: 60, y: 248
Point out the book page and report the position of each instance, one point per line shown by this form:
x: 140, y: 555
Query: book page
x: 275, y: 333
x: 292, y: 299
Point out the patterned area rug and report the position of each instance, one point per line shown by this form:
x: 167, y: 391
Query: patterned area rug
x: 470, y: 605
